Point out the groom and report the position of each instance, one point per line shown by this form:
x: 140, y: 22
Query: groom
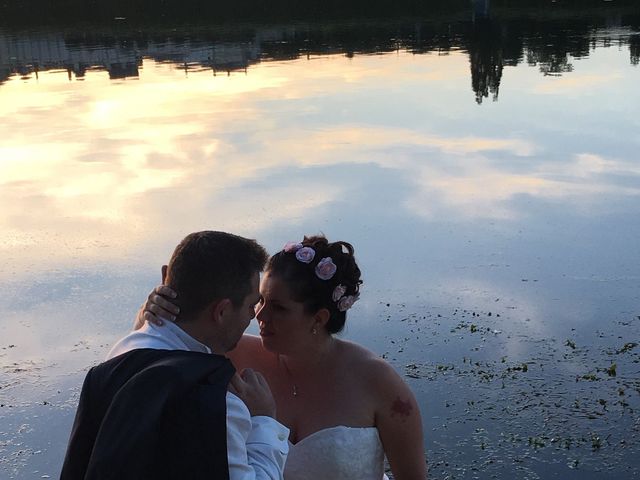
x: 161, y: 407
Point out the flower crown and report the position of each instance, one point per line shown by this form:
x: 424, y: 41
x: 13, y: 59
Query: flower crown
x: 325, y: 270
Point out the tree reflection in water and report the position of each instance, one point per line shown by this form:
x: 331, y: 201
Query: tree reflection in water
x: 493, y: 39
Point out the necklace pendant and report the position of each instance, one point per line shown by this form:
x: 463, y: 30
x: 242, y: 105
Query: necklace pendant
x: 295, y: 391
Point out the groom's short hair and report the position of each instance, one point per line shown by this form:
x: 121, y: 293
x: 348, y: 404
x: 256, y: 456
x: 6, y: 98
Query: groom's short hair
x: 208, y: 266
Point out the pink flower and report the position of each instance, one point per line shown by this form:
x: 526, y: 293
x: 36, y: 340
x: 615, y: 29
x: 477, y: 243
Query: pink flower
x: 325, y: 269
x: 347, y: 302
x: 292, y: 247
x: 338, y: 292
x: 305, y: 254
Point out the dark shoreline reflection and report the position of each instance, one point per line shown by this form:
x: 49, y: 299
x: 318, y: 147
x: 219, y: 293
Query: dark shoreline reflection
x: 492, y: 39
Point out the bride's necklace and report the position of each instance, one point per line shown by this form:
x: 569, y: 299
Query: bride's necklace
x: 289, y: 375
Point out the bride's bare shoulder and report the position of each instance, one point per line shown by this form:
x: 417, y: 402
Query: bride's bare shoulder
x: 247, y: 353
x: 374, y: 370
x: 250, y: 341
x: 363, y: 358
x: 395, y: 408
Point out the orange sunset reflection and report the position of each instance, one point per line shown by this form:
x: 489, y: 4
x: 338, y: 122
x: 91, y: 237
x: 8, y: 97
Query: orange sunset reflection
x: 101, y: 167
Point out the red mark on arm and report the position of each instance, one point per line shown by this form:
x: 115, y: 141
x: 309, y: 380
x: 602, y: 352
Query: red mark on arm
x: 401, y: 407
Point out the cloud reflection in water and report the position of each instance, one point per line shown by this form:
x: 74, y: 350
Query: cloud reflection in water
x: 126, y: 162
x: 450, y: 204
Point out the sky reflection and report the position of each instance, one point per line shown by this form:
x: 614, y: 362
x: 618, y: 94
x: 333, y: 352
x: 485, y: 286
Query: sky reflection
x: 92, y: 153
x: 102, y: 171
x: 526, y: 207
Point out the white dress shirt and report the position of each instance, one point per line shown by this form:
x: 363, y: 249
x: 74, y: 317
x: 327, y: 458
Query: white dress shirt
x: 257, y: 447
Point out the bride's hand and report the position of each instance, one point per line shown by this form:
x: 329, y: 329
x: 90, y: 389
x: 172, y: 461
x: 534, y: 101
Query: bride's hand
x: 158, y: 307
x: 252, y: 388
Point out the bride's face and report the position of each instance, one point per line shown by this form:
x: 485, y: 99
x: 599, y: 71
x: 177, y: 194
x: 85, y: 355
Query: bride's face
x: 284, y: 325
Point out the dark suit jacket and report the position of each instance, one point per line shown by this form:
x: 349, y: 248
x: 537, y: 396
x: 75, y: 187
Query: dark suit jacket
x: 152, y: 414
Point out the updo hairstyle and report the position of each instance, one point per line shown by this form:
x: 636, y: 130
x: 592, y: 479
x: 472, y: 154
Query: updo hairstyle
x: 307, y: 288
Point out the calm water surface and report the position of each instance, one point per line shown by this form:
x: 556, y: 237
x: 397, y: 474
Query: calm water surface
x: 485, y: 168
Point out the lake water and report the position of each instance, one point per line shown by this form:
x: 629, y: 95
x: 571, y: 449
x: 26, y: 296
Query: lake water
x: 483, y: 163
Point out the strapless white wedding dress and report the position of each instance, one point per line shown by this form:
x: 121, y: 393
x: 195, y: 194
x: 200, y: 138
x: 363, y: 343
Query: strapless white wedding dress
x: 337, y: 453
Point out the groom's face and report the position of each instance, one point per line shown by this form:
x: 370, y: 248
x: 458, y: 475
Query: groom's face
x: 242, y: 315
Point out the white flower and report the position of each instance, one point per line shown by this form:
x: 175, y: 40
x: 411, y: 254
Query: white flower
x: 292, y: 247
x: 338, y: 292
x: 325, y: 269
x: 305, y: 254
x: 347, y: 302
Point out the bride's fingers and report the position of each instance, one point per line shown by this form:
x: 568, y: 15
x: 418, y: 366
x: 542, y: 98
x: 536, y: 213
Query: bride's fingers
x: 262, y: 381
x: 159, y: 304
x: 236, y: 385
x: 158, y: 307
x: 233, y: 390
x: 152, y: 318
x: 159, y: 311
x: 165, y: 291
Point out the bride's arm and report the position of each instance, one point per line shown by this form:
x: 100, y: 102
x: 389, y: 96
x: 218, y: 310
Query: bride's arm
x: 157, y: 307
x: 399, y: 424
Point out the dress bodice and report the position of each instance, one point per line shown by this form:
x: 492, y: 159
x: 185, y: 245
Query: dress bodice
x: 337, y: 453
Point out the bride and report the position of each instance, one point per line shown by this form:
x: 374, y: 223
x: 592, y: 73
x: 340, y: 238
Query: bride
x: 346, y: 408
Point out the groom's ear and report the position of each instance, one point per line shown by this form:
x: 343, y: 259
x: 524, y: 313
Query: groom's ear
x: 164, y: 273
x: 220, y: 310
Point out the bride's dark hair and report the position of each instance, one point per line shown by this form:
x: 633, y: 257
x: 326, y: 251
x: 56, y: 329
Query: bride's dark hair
x: 306, y: 287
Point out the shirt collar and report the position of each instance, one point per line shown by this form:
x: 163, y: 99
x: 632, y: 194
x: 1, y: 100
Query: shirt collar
x: 170, y: 329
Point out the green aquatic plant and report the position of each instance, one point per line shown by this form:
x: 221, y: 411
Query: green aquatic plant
x: 627, y: 347
x: 519, y: 368
x: 444, y: 367
x: 537, y: 442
